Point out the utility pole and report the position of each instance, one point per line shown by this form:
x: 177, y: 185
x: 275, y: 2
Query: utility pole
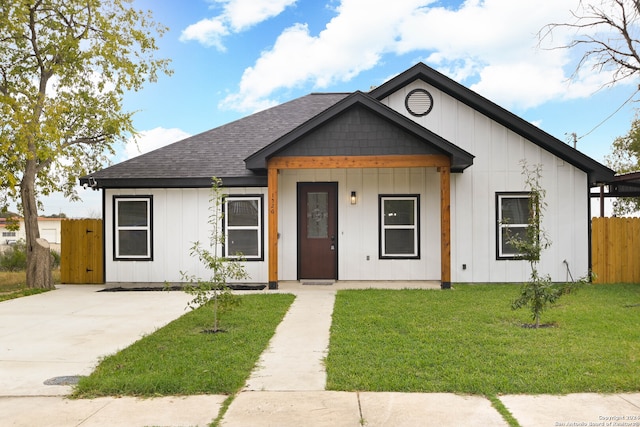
x: 575, y: 139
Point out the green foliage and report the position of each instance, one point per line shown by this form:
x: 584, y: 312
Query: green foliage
x: 12, y: 223
x: 625, y: 158
x: 537, y: 294
x: 213, y: 291
x: 65, y: 66
x: 14, y: 258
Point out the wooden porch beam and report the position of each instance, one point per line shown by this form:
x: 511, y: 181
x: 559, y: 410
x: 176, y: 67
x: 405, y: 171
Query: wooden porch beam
x: 348, y: 162
x: 272, y: 183
x: 445, y: 227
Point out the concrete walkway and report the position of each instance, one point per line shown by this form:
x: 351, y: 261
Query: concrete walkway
x: 66, y: 332
x: 293, y: 361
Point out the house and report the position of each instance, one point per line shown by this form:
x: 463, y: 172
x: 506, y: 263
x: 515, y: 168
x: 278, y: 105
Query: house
x: 50, y: 229
x: 413, y: 180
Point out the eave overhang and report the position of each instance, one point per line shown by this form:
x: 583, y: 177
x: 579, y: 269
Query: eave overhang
x: 202, y: 182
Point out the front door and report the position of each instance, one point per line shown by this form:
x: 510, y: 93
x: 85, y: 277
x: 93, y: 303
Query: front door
x: 317, y: 230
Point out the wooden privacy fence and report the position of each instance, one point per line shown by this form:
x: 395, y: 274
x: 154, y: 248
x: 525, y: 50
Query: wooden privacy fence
x: 615, y: 250
x: 81, y: 257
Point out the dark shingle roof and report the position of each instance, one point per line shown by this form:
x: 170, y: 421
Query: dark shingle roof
x: 222, y: 151
x: 217, y: 152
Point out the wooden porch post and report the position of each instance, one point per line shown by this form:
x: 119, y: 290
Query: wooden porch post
x: 445, y: 227
x: 272, y: 184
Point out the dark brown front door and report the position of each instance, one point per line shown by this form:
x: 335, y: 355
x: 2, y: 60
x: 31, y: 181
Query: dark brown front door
x: 317, y: 230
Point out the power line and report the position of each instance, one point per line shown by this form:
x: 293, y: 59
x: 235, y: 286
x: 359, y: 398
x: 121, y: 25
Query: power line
x: 611, y: 115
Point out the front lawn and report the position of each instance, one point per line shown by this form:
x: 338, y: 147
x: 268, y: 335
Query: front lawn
x: 179, y: 359
x: 468, y: 340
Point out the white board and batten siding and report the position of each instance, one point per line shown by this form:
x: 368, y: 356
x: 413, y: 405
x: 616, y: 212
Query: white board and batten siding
x: 498, y: 152
x: 180, y: 218
x: 358, y: 225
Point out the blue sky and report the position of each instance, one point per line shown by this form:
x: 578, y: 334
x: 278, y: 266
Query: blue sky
x: 234, y: 57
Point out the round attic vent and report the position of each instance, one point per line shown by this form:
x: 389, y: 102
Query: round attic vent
x: 419, y: 102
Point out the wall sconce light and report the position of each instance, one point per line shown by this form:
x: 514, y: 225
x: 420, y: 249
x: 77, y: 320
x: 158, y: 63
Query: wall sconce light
x: 354, y: 199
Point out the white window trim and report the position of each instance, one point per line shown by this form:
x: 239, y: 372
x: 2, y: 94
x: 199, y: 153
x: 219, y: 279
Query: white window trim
x: 415, y: 227
x: 117, y: 228
x: 258, y: 228
x: 502, y: 224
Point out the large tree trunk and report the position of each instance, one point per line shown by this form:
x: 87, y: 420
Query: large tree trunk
x: 39, y: 260
x: 39, y: 263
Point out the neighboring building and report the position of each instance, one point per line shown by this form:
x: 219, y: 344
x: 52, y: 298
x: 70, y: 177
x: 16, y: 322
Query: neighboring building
x: 407, y: 182
x: 49, y: 230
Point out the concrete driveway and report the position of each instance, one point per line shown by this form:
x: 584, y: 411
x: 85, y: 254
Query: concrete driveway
x: 65, y: 332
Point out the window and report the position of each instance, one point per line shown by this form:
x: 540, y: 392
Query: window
x: 8, y: 234
x: 132, y: 228
x: 399, y: 226
x: 513, y: 212
x: 243, y: 227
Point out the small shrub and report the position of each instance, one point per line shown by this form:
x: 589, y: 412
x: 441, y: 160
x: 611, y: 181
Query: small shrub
x: 14, y: 258
x: 56, y: 259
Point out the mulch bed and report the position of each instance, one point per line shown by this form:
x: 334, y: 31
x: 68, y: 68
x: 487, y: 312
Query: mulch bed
x: 234, y: 287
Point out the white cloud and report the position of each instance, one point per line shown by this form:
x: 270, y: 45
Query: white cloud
x: 153, y: 139
x: 353, y: 41
x: 237, y: 16
x: 209, y: 32
x: 491, y: 46
x: 243, y: 14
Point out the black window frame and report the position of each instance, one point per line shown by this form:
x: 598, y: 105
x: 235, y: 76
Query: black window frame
x: 502, y: 224
x: 382, y: 227
x: 149, y: 227
x: 260, y: 227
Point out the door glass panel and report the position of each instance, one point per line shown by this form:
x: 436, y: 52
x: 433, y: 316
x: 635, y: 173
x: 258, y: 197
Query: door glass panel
x: 317, y: 215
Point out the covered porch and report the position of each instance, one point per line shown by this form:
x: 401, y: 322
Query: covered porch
x: 281, y: 163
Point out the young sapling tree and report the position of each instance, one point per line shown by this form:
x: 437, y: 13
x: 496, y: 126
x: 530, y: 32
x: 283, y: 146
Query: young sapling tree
x: 213, y: 291
x: 539, y: 292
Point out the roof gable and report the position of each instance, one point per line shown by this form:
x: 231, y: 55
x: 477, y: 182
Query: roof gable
x: 360, y: 125
x: 218, y: 152
x: 597, y: 172
x: 358, y: 132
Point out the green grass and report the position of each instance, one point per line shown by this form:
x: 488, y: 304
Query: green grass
x: 13, y: 284
x: 179, y: 359
x: 21, y: 292
x: 468, y: 340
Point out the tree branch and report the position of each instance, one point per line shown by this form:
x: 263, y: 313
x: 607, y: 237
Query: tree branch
x: 608, y: 37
